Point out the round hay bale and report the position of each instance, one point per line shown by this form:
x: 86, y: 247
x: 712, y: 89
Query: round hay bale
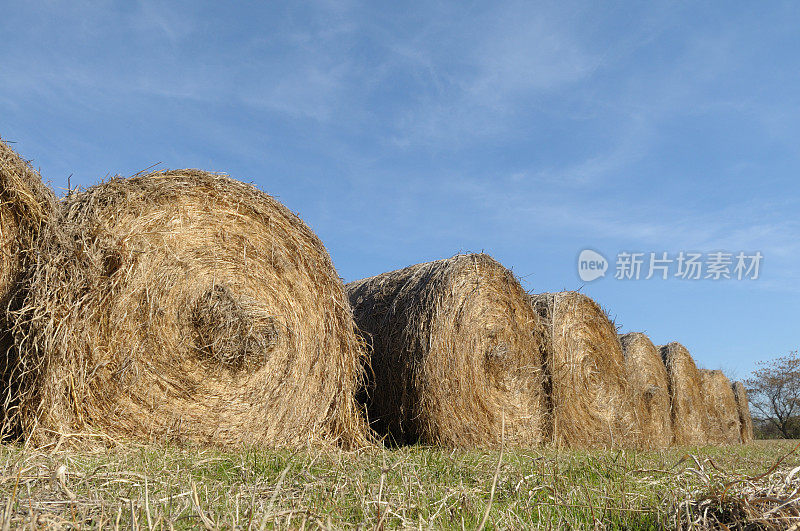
x: 455, y: 357
x: 184, y: 305
x: 723, y: 416
x: 589, y: 393
x: 649, y: 385
x: 743, y: 409
x: 689, y: 415
x: 26, y: 205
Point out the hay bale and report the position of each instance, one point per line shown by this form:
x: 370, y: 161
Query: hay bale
x: 589, y: 394
x: 743, y: 409
x: 689, y: 415
x: 26, y: 205
x: 187, y: 306
x: 649, y: 384
x: 723, y: 416
x: 455, y: 350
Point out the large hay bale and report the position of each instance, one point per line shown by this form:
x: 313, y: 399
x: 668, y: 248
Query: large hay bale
x: 743, y: 409
x: 455, y: 354
x: 26, y: 205
x: 183, y: 305
x: 689, y: 414
x: 649, y: 385
x: 589, y: 394
x: 723, y: 416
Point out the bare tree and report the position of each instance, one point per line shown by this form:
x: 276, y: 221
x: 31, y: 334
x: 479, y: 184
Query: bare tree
x: 774, y: 393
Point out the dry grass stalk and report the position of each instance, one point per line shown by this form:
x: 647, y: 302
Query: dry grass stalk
x: 455, y: 347
x: 728, y: 501
x: 26, y: 206
x: 649, y: 384
x: 185, y: 305
x: 723, y: 415
x: 589, y: 394
x: 743, y: 409
x: 689, y: 414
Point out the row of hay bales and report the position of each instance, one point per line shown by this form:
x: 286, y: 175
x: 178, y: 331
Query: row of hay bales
x: 187, y: 306
x: 463, y: 356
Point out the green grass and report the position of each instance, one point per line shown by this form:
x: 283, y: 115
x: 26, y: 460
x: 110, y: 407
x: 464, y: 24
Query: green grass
x: 144, y: 487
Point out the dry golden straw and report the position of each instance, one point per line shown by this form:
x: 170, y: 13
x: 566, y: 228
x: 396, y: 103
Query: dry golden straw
x: 455, y: 354
x: 690, y: 421
x: 649, y: 385
x: 588, y: 386
x: 187, y: 306
x: 743, y: 409
x: 26, y: 206
x: 723, y: 415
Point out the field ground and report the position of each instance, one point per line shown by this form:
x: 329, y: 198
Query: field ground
x: 144, y: 487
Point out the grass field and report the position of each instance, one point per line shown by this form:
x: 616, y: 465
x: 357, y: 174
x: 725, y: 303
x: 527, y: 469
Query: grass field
x: 146, y: 487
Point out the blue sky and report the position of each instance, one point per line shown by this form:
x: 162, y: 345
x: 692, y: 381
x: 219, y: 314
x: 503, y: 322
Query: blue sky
x: 407, y: 133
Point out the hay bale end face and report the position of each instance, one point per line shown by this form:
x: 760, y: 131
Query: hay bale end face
x: 723, y: 415
x: 455, y: 354
x: 588, y: 388
x: 26, y: 206
x: 187, y: 306
x: 649, y: 385
x: 743, y: 409
x: 689, y: 414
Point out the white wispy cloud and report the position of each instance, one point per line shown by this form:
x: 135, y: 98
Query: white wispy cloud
x: 159, y: 51
x: 491, y: 65
x: 524, y: 53
x: 176, y: 24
